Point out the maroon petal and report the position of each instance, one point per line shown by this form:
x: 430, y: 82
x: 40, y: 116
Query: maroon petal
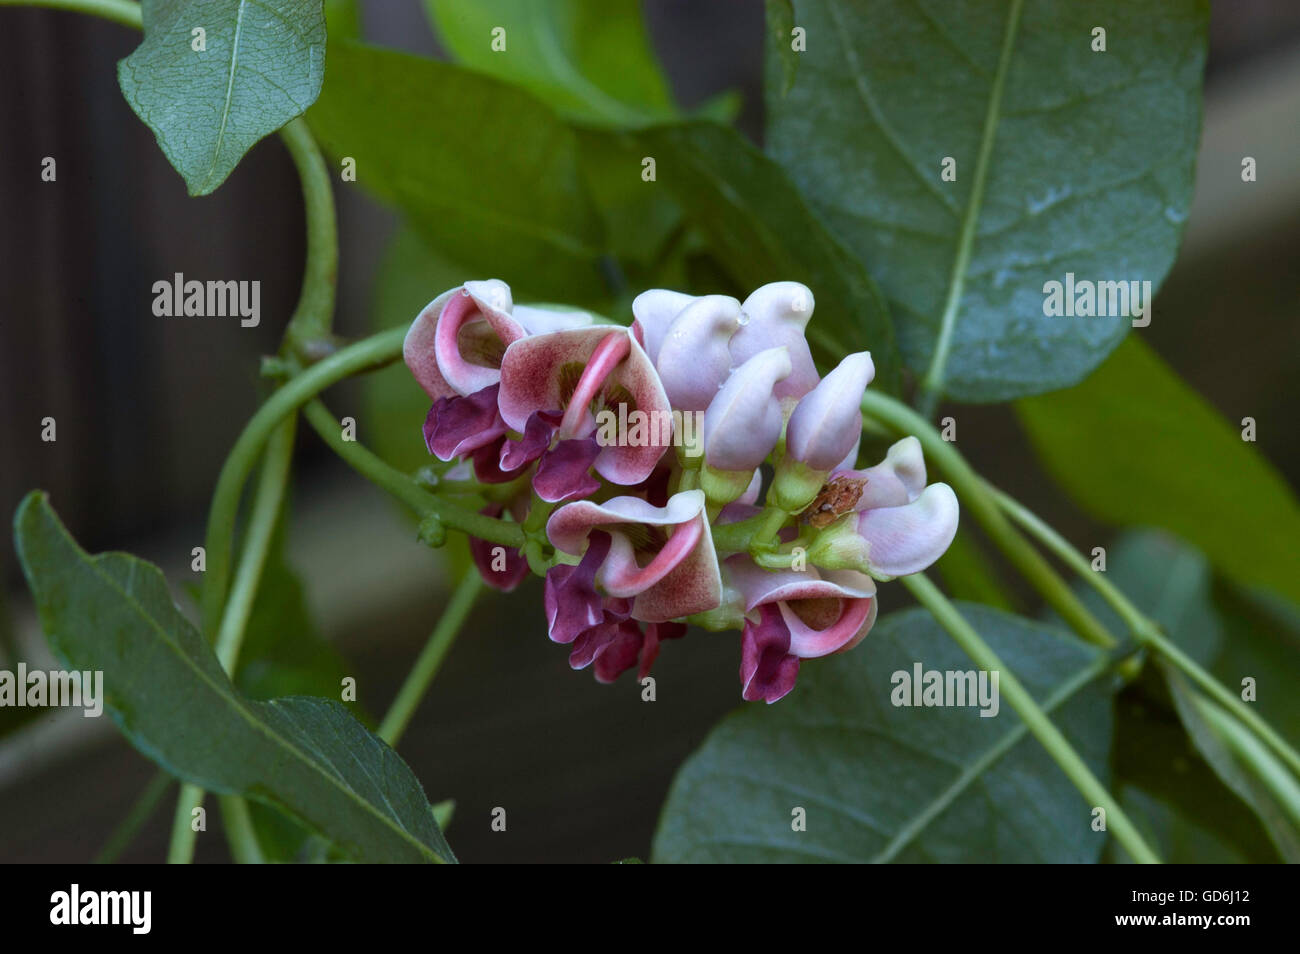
x: 620, y: 653
x: 564, y: 471
x: 569, y: 596
x: 767, y: 670
x: 514, y: 565
x: 456, y: 426
x: 537, y: 436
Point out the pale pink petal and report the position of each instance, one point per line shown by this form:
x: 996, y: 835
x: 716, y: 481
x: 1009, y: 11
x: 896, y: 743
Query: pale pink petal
x: 827, y: 422
x: 907, y: 539
x: 743, y: 423
x: 418, y: 348
x: 777, y: 316
x: 897, y: 480
x: 654, y: 311
x: 541, y: 321
x: 693, y: 358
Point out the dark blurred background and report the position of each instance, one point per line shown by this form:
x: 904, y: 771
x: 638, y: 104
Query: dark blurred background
x: 147, y: 409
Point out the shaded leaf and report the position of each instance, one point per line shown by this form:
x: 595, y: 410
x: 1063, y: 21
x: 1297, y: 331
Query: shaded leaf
x: 485, y: 173
x: 1135, y: 445
x: 589, y: 59
x: 170, y: 697
x: 887, y: 783
x: 1067, y: 160
x: 261, y: 65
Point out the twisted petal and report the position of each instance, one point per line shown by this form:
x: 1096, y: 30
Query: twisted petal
x: 693, y: 358
x: 563, y: 473
x: 824, y: 611
x: 537, y: 371
x: 653, y: 312
x: 569, y: 596
x: 909, y: 538
x: 897, y: 480
x: 457, y: 425
x: 743, y: 422
x: 541, y: 321
x: 489, y: 556
x: 682, y: 577
x: 778, y: 314
x: 768, y: 669
x: 827, y: 423
x: 455, y: 344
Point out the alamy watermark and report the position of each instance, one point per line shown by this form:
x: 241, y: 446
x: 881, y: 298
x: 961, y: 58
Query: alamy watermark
x: 179, y: 298
x: 38, y: 688
x: 948, y: 687
x: 651, y: 428
x: 1102, y: 299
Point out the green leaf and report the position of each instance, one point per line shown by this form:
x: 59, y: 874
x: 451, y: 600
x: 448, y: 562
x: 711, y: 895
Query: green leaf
x: 886, y: 783
x: 260, y: 65
x: 486, y: 173
x: 1067, y: 160
x: 168, y: 694
x: 589, y: 59
x: 1248, y: 787
x: 1135, y: 445
x: 761, y: 231
x: 968, y: 575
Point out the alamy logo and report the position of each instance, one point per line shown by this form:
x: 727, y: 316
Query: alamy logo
x: 57, y: 687
x: 949, y: 687
x: 103, y: 907
x: 1089, y: 299
x: 194, y: 299
x: 659, y: 428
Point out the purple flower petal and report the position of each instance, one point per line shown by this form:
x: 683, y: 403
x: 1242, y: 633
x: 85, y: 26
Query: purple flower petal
x: 564, y: 472
x: 455, y: 426
x: 767, y: 670
x: 569, y: 596
x: 487, y: 556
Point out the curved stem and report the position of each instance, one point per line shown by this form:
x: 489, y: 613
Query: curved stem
x: 430, y: 659
x: 365, y: 355
x: 1146, y: 630
x: 1057, y: 746
x: 125, y: 12
x: 314, y: 312
x: 239, y: 831
x: 975, y: 497
x: 404, y: 488
x: 261, y: 526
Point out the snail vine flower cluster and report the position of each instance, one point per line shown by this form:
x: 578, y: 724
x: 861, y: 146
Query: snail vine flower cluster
x: 634, y: 459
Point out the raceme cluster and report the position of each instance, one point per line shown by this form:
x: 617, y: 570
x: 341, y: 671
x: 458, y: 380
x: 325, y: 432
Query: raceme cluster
x: 634, y: 458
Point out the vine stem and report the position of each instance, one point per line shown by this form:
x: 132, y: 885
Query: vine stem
x: 125, y: 12
x: 404, y: 488
x: 430, y: 659
x: 1145, y: 630
x: 1057, y: 746
x: 975, y: 496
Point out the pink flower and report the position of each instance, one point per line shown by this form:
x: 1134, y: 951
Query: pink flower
x: 793, y: 615
x: 570, y: 373
x: 456, y: 342
x: 827, y: 422
x: 902, y: 526
x: 662, y: 558
x: 743, y: 422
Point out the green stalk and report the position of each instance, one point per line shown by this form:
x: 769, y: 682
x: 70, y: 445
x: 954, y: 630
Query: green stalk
x: 1146, y: 631
x: 975, y: 497
x: 125, y: 12
x: 430, y: 659
x: 404, y: 488
x: 1057, y: 746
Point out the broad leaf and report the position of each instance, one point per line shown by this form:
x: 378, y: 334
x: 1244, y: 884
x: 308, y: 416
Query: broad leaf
x: 1067, y: 161
x: 589, y: 59
x: 210, y: 95
x: 167, y: 692
x: 1135, y: 445
x: 886, y: 783
x: 761, y: 231
x: 486, y: 173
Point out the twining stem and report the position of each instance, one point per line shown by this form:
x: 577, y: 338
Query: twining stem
x: 239, y: 831
x: 314, y: 312
x: 125, y: 12
x: 975, y: 497
x: 1057, y: 746
x: 1145, y: 630
x: 261, y: 526
x: 404, y: 488
x: 430, y: 659
x: 1248, y: 749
